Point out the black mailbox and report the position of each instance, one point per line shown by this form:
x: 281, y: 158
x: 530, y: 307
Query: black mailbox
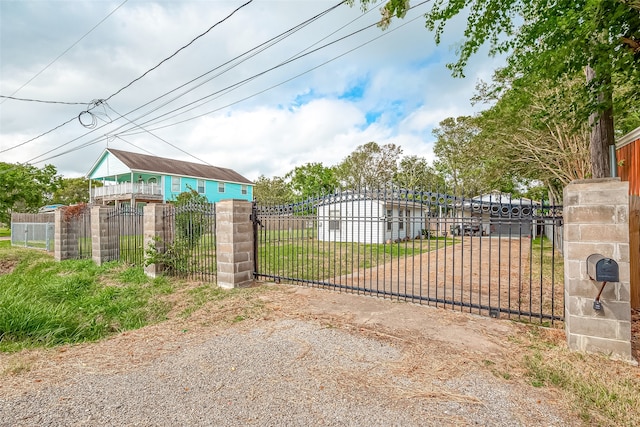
x: 602, y: 269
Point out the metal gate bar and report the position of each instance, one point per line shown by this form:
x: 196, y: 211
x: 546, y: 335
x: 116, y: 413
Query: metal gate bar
x: 493, y: 255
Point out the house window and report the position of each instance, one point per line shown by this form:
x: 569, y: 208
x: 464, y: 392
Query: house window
x: 175, y: 184
x: 201, y: 186
x: 244, y: 189
x: 389, y: 219
x: 221, y: 187
x: 400, y: 220
x: 152, y: 180
x: 334, y: 220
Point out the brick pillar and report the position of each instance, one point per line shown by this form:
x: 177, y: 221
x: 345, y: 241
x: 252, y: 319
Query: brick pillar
x: 152, y: 229
x: 234, y: 243
x: 596, y: 220
x: 102, y: 245
x: 65, y: 237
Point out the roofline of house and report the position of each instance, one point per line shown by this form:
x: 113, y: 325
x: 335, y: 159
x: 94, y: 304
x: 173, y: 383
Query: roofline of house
x: 627, y: 139
x: 97, y: 162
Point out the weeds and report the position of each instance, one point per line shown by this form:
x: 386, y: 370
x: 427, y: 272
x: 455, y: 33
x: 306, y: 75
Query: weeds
x: 602, y: 391
x: 47, y: 303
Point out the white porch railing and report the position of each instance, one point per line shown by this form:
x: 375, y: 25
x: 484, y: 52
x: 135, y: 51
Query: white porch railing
x: 136, y: 188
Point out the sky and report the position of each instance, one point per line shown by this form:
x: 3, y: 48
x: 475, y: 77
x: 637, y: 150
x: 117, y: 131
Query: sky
x: 266, y: 89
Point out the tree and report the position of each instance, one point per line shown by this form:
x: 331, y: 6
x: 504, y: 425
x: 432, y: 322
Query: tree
x: 73, y: 190
x: 25, y: 187
x: 369, y: 166
x: 191, y: 217
x: 457, y: 159
x: 415, y: 173
x: 312, y: 179
x: 533, y: 132
x: 551, y: 40
x: 272, y: 191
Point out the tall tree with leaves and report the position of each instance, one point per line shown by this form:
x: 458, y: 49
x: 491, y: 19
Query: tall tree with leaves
x: 272, y: 191
x: 312, y: 179
x: 552, y: 40
x: 25, y: 188
x: 369, y: 166
x: 532, y: 138
x: 73, y: 190
x: 415, y: 173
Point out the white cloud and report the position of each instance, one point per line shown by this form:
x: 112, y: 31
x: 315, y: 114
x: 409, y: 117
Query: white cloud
x: 407, y: 86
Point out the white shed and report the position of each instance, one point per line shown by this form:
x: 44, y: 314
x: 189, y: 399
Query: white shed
x: 357, y: 219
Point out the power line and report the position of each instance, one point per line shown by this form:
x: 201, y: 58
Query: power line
x: 228, y: 88
x: 228, y: 62
x: 161, y: 139
x: 13, y: 98
x: 123, y: 88
x: 178, y: 51
x: 132, y: 82
x: 282, y: 82
x: 248, y: 54
x: 63, y: 53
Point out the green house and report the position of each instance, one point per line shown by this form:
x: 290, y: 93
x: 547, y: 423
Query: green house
x: 136, y: 179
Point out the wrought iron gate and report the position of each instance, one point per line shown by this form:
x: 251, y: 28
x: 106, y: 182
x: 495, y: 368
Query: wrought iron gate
x: 491, y: 255
x: 190, y: 241
x: 125, y: 235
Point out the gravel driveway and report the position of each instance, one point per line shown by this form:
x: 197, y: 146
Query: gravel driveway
x: 310, y: 357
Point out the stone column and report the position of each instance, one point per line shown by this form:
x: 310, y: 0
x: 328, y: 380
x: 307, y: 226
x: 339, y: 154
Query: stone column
x: 596, y: 221
x: 234, y: 243
x: 152, y: 229
x: 101, y: 243
x: 65, y: 237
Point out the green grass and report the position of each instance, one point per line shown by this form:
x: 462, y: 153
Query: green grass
x: 283, y: 254
x: 5, y: 232
x: 601, y: 391
x: 48, y: 303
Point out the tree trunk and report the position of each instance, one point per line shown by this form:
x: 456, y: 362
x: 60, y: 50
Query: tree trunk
x: 601, y: 123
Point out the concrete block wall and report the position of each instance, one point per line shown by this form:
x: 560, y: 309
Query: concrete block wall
x: 596, y: 220
x: 234, y: 243
x: 102, y: 246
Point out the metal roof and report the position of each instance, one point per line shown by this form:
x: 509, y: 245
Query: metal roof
x: 161, y: 165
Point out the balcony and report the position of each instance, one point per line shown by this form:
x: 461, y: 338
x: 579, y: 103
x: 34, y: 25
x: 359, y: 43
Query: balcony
x: 128, y: 191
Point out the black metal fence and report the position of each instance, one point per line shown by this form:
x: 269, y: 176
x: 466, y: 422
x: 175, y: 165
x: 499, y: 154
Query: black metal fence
x: 492, y: 255
x: 125, y: 235
x: 189, y: 240
x: 78, y: 218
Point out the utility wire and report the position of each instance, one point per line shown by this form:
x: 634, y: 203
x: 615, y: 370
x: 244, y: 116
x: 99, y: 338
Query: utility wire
x: 230, y: 88
x: 248, y: 54
x: 243, y: 99
x: 123, y: 88
x: 138, y: 108
x: 41, y: 101
x: 178, y: 51
x: 62, y: 54
x: 236, y: 85
x: 281, y: 83
x: 161, y: 139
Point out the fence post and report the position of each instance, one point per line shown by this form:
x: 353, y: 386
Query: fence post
x: 596, y: 221
x: 65, y: 242
x: 152, y: 228
x: 100, y: 239
x: 234, y: 243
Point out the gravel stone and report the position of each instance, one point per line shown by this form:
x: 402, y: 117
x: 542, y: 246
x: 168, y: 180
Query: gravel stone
x: 288, y: 373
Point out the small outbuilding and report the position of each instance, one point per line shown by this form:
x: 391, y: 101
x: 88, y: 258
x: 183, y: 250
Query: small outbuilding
x: 368, y: 218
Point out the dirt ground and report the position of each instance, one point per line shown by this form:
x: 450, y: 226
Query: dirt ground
x: 475, y: 272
